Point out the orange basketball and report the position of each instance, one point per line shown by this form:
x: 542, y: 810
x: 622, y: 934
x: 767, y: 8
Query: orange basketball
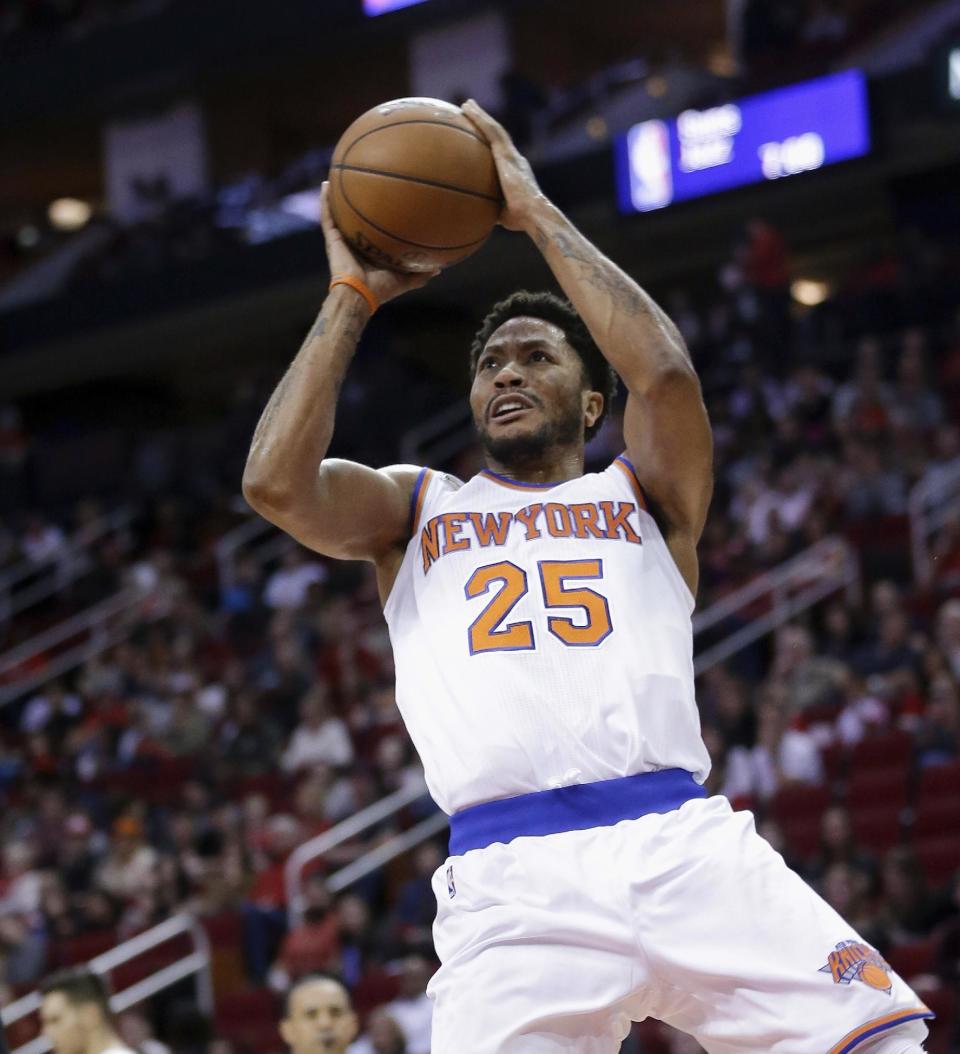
x: 413, y: 185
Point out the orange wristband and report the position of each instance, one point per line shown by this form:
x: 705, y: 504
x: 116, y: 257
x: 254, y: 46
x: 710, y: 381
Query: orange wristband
x: 359, y: 286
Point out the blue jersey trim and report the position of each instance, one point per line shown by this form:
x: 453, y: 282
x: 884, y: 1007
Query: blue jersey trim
x: 520, y: 485
x: 883, y: 1026
x: 415, y: 498
x: 576, y: 808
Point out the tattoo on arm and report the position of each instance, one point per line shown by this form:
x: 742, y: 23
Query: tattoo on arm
x: 601, y: 275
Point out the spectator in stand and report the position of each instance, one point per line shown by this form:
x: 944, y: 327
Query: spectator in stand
x: 21, y: 883
x: 314, y: 944
x: 136, y: 1031
x: 250, y: 740
x: 938, y: 734
x: 413, y: 1009
x: 839, y: 846
x: 382, y: 1036
x: 863, y: 404
x: 947, y: 962
x: 287, y: 587
x: 320, y: 736
x: 948, y: 634
x: 916, y: 407
x: 780, y: 757
x: 318, y: 1014
x: 265, y: 911
x: 130, y: 861
x: 809, y: 681
x: 77, y: 858
x: 356, y: 937
x: 75, y: 1015
x: 845, y: 889
x: 188, y: 728
x: 870, y: 484
x: 906, y: 912
x: 416, y: 906
x: 891, y: 650
x: 54, y: 710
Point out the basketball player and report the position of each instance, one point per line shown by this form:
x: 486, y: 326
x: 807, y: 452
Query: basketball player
x: 75, y: 1015
x: 541, y: 625
x: 318, y: 1017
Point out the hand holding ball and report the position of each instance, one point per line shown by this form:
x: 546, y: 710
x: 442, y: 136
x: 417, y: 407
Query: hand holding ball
x: 413, y: 186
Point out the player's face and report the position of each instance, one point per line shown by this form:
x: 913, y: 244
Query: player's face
x: 321, y: 1020
x: 62, y: 1023
x: 528, y: 392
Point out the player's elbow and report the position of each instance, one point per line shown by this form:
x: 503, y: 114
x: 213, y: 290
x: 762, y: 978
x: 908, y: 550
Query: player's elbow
x: 264, y: 495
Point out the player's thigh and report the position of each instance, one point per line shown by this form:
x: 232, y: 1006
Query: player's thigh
x: 532, y: 960
x: 746, y: 956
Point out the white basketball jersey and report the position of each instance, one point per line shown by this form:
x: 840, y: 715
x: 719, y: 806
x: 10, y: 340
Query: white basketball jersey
x: 542, y: 637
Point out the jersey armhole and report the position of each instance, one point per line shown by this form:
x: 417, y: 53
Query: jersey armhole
x: 626, y: 467
x: 417, y: 497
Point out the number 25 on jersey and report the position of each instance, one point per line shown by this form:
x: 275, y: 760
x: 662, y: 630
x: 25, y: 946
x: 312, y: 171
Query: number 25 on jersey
x: 491, y: 631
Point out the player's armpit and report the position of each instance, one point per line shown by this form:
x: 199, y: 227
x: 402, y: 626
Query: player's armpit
x: 668, y: 439
x: 352, y: 512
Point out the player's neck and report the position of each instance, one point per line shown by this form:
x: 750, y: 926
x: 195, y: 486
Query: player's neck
x: 557, y: 466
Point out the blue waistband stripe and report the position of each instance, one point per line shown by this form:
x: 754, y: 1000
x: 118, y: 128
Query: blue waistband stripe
x: 575, y: 808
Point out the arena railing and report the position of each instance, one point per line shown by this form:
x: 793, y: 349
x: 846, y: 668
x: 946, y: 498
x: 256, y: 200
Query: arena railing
x: 933, y: 503
x: 196, y: 963
x: 56, y: 572
x: 96, y: 628
x: 756, y: 609
x: 258, y: 537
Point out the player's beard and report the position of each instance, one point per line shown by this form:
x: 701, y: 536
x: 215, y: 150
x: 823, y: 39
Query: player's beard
x: 528, y: 448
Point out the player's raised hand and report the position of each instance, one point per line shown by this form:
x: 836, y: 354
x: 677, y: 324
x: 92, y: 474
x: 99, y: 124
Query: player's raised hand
x: 384, y: 284
x: 517, y: 181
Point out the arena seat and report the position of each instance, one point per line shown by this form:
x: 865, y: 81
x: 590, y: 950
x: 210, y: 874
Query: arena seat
x: 877, y: 827
x: 885, y: 750
x: 796, y: 802
x: 939, y: 780
x: 915, y: 958
x: 878, y: 786
x: 939, y: 856
x: 937, y: 815
x: 80, y: 949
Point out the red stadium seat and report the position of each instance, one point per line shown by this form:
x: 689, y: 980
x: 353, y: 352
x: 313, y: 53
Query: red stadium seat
x: 912, y: 959
x: 836, y: 761
x: 937, y: 816
x: 374, y: 988
x: 878, y: 786
x: 806, y: 802
x: 939, y: 856
x: 877, y: 827
x: 937, y: 781
x: 943, y: 1002
x: 802, y: 837
x: 74, y: 950
x: 886, y: 750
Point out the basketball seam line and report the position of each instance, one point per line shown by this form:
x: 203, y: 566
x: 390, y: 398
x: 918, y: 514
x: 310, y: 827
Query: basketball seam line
x: 417, y: 120
x: 417, y: 179
x: 406, y: 241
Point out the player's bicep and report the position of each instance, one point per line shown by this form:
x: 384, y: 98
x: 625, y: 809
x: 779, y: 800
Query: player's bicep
x: 352, y: 511
x: 668, y: 439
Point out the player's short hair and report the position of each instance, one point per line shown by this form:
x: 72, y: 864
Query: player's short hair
x: 598, y: 373
x: 309, y: 978
x: 79, y: 985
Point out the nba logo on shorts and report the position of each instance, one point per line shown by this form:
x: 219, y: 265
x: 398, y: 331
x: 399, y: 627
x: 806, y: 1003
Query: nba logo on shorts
x: 451, y: 888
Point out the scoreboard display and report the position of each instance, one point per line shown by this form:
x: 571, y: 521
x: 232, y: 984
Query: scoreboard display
x: 769, y: 136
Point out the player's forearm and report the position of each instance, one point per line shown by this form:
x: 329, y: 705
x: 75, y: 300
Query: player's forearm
x: 633, y: 332
x: 295, y: 429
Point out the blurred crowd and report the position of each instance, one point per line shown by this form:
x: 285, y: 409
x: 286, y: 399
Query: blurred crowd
x: 250, y: 706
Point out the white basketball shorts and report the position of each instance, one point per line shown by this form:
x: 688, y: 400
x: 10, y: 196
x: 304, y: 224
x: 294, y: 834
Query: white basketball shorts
x: 556, y: 942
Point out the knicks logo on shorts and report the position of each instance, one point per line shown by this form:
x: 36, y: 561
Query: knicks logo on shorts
x: 854, y: 961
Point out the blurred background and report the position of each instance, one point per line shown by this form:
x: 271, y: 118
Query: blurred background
x: 199, y: 743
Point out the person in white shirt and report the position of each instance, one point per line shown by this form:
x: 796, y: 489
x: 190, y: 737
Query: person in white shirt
x: 413, y: 1009
x: 75, y: 1014
x: 320, y: 737
x: 287, y: 587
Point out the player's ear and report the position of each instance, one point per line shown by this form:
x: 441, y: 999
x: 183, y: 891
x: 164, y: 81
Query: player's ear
x: 592, y: 407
